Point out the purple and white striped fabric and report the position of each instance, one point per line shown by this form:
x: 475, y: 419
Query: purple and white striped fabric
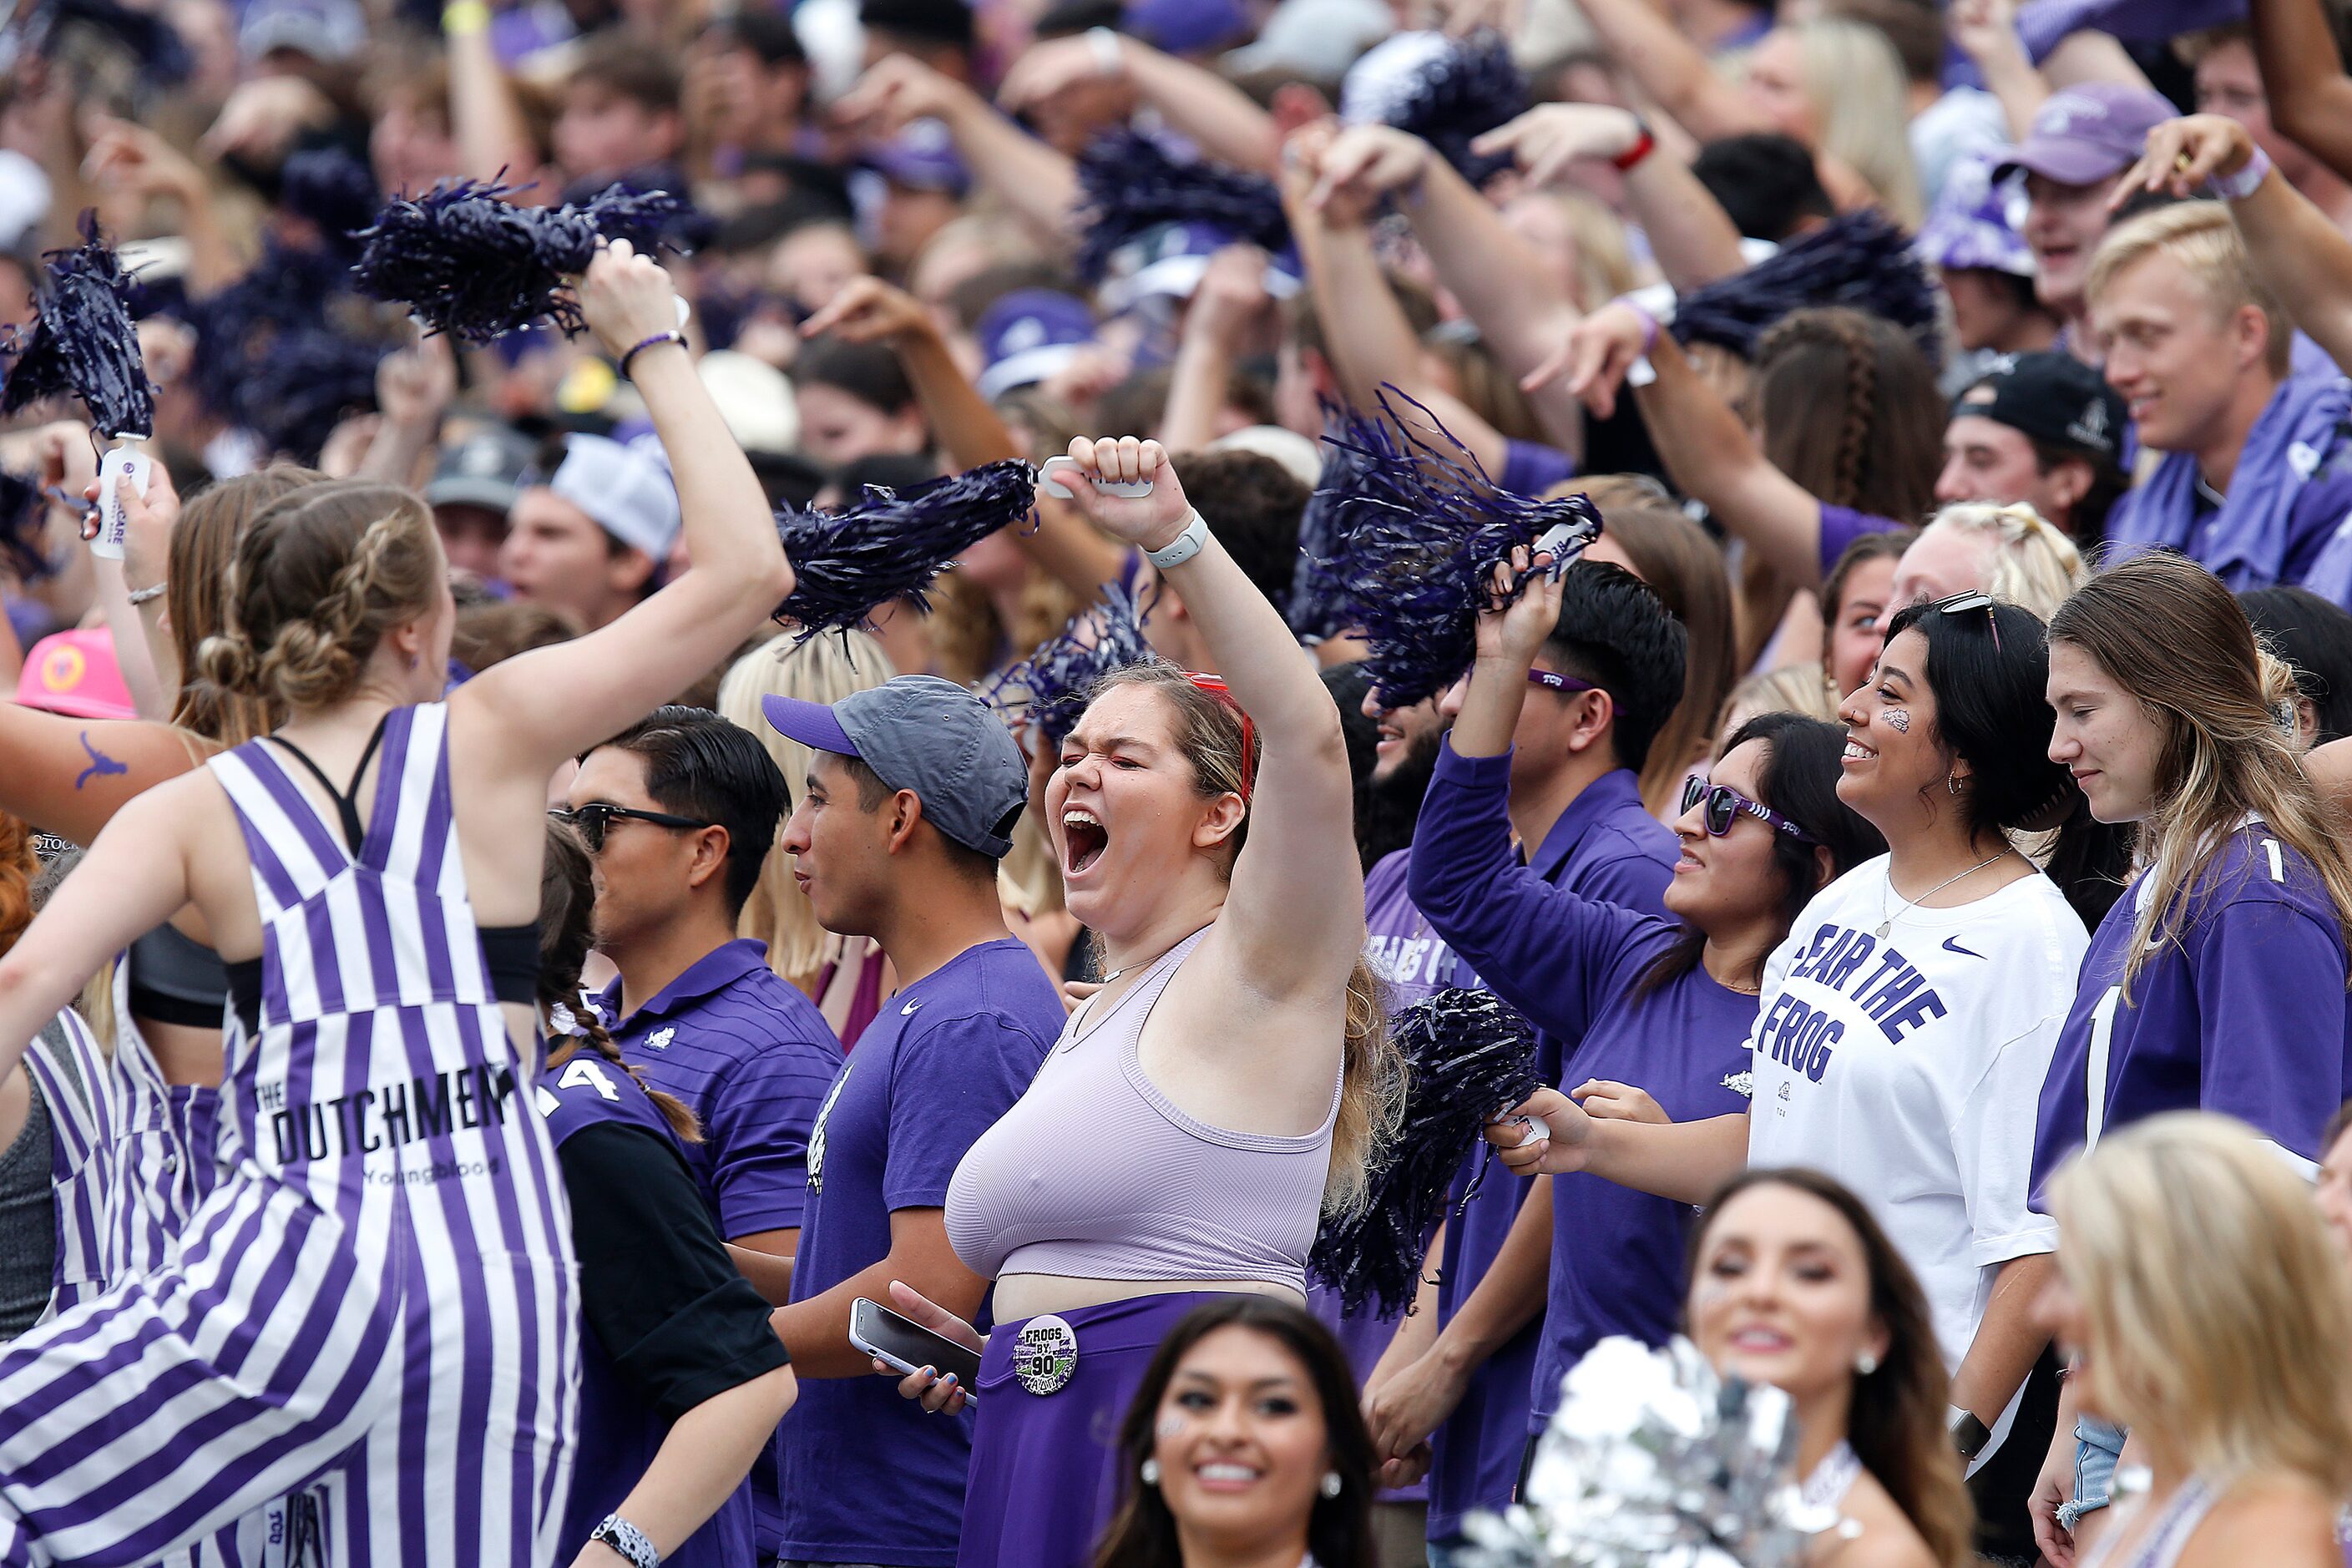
x: 376, y: 1302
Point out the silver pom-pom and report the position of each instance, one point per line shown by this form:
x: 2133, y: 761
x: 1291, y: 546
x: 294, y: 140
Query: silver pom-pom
x: 1653, y: 1461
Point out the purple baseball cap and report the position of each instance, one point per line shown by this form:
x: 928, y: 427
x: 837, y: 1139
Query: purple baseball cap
x: 1975, y: 222
x: 2088, y: 133
x: 922, y: 157
x: 1184, y: 26
x: 1029, y: 336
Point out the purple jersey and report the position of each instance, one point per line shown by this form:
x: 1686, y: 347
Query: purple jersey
x: 1412, y: 960
x: 703, y: 1340
x: 751, y: 1056
x: 1605, y: 847
x: 865, y: 1476
x: 2242, y: 1011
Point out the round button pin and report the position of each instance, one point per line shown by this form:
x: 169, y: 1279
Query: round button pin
x: 1045, y: 1354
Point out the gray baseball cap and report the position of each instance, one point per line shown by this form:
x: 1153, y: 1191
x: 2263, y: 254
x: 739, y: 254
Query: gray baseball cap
x: 919, y: 732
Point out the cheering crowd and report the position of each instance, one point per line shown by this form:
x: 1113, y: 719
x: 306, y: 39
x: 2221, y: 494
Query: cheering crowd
x: 1051, y: 783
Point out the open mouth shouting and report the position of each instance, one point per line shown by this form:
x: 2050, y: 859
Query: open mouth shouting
x: 1083, y: 840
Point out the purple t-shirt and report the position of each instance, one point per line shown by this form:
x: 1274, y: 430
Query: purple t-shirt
x: 2243, y: 1012
x: 865, y: 1476
x: 1411, y: 958
x: 1530, y: 468
x: 1605, y: 847
x: 1841, y: 526
x: 751, y: 1056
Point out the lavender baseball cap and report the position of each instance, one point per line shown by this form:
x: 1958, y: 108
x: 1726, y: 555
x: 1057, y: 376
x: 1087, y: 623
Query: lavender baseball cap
x: 1029, y: 336
x: 1975, y: 222
x: 2087, y: 134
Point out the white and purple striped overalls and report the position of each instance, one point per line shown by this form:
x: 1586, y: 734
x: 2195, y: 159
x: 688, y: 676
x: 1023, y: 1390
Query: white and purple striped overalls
x: 376, y: 1303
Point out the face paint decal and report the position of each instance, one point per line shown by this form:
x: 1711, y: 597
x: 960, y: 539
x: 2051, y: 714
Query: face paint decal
x: 1898, y: 719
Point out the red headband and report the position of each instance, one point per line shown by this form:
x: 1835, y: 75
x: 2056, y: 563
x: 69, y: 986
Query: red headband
x: 1214, y: 685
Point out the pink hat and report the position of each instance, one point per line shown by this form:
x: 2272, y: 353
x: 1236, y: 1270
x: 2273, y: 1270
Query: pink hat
x: 74, y: 673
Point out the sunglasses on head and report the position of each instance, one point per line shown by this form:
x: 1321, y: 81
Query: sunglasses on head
x: 1552, y: 680
x: 1215, y: 686
x: 1972, y: 599
x: 596, y: 819
x: 1725, y: 806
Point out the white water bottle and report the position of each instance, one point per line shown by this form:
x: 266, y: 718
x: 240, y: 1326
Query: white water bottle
x: 122, y: 462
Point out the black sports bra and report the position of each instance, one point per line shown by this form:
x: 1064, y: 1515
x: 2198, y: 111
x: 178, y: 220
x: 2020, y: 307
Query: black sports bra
x: 510, y: 954
x: 175, y: 979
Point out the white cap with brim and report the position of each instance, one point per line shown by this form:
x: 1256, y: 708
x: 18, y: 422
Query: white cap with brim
x: 624, y: 491
x: 754, y: 398
x: 1175, y: 277
x: 1026, y: 368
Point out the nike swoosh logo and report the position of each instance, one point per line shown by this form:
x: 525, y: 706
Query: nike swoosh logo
x: 909, y: 1010
x: 1952, y: 945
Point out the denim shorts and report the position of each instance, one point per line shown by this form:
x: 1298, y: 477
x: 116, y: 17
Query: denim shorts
x: 2096, y: 1447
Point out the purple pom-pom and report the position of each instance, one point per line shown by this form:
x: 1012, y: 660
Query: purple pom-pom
x: 162, y: 55
x: 24, y: 512
x: 474, y: 265
x: 1861, y: 260
x: 1468, y: 1059
x: 890, y: 546
x: 288, y: 290
x: 309, y: 382
x: 83, y: 342
x: 1459, y: 96
x: 1052, y: 685
x: 1317, y: 607
x: 1423, y: 529
x: 1130, y: 183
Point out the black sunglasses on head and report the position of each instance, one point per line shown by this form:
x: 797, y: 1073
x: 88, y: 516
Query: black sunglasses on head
x: 1725, y: 806
x: 593, y: 821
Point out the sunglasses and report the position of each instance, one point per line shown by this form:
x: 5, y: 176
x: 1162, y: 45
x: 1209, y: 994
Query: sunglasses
x: 1725, y: 806
x: 1215, y: 686
x: 1972, y: 599
x: 593, y: 821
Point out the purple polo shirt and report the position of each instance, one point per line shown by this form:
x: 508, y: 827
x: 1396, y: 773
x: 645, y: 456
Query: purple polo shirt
x: 865, y: 1476
x: 1605, y: 847
x: 1841, y: 526
x: 1529, y: 468
x: 2244, y: 1012
x: 1573, y: 967
x: 751, y: 1056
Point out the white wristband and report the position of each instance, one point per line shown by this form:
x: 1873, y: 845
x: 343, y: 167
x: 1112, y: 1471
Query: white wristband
x: 1183, y: 547
x: 2237, y: 187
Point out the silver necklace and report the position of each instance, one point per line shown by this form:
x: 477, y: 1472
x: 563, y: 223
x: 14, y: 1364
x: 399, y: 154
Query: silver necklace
x: 1887, y: 924
x: 1832, y: 1477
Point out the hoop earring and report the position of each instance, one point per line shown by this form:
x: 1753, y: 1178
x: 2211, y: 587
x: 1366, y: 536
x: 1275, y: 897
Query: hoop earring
x: 1952, y: 785
x: 1149, y: 1473
x: 1332, y: 1484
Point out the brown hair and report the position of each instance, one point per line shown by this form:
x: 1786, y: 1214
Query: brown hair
x: 492, y: 631
x: 195, y: 597
x: 1143, y: 1533
x: 1686, y: 569
x: 621, y: 64
x: 1208, y: 732
x: 1895, y: 1419
x: 18, y: 866
x: 567, y: 906
x: 1875, y: 443
x: 2168, y: 633
x: 315, y: 582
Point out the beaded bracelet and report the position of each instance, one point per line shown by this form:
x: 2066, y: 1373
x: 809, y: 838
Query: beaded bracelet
x: 656, y: 340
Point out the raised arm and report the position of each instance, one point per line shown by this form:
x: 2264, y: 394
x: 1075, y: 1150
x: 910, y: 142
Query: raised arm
x: 1295, y: 917
x: 1498, y: 280
x: 1694, y: 239
x: 1220, y: 119
x: 1063, y: 544
x: 134, y: 877
x: 494, y: 140
x: 2302, y: 78
x: 1036, y: 181
x: 554, y: 702
x: 2301, y: 257
x: 1371, y: 343
x: 70, y: 776
x: 1224, y: 313
x: 1670, y: 70
x: 1701, y: 439
x: 1985, y: 31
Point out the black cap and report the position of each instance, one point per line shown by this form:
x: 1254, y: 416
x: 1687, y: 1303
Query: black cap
x: 2056, y: 399
x: 930, y: 21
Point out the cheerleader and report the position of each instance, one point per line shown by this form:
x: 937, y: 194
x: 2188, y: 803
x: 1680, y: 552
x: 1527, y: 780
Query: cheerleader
x: 378, y: 1298
x: 2218, y: 983
x: 1632, y: 998
x: 1906, y: 1024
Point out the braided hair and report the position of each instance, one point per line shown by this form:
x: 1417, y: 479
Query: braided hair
x: 317, y: 580
x: 567, y: 902
x: 1876, y: 448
